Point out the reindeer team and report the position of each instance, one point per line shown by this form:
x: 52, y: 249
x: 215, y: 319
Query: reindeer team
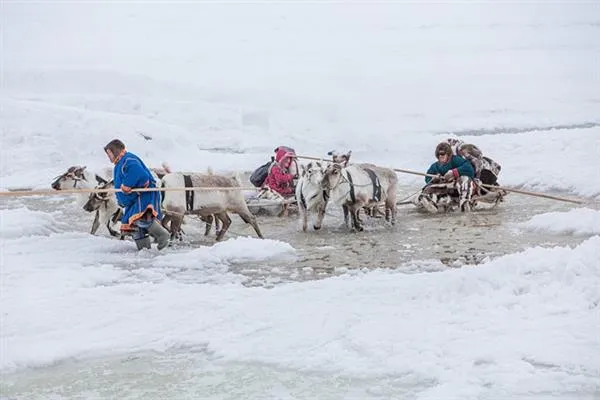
x: 454, y: 178
x: 353, y: 187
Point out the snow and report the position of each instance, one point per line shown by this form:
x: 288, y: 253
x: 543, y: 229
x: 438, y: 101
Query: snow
x: 580, y: 221
x: 382, y: 84
x: 79, y: 296
x: 201, y: 85
x: 22, y: 222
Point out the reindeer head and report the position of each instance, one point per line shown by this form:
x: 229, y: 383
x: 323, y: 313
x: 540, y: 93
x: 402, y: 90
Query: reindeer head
x: 332, y: 176
x: 96, y: 200
x: 313, y: 173
x: 338, y: 158
x: 70, y: 179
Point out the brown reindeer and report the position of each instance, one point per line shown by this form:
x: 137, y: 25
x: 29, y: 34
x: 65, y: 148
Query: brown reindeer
x: 205, y: 203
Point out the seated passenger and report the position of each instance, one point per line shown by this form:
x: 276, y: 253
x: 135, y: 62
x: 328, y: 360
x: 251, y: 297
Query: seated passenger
x: 280, y: 178
x: 454, y: 179
x: 486, y: 169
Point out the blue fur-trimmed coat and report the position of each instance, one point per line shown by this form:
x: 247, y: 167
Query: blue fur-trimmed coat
x: 131, y: 171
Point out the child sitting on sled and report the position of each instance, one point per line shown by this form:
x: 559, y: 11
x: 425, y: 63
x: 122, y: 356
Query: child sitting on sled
x: 281, y: 177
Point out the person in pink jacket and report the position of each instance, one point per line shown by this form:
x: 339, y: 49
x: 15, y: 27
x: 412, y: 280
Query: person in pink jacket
x: 280, y: 179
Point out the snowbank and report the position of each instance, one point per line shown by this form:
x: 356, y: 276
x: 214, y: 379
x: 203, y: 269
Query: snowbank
x: 22, y: 222
x: 580, y: 222
x: 81, y: 296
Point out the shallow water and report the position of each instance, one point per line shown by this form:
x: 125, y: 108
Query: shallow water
x: 188, y: 374
x: 455, y: 239
x: 196, y: 374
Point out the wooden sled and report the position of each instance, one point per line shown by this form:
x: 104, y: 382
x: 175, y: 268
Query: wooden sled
x: 270, y: 203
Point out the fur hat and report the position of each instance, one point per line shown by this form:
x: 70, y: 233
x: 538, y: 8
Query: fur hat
x: 456, y: 144
x: 443, y: 147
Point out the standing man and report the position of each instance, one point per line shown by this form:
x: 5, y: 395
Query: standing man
x: 141, y: 210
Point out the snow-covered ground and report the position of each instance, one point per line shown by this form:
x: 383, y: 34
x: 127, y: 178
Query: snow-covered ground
x: 473, y: 331
x: 582, y: 221
x: 221, y: 85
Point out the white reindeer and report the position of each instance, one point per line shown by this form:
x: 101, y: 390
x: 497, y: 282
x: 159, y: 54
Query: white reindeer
x: 358, y: 186
x: 107, y: 212
x: 310, y: 195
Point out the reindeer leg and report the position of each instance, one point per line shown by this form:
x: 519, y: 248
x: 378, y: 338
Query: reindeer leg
x: 176, y: 227
x: 165, y: 222
x: 303, y: 216
x: 111, y: 230
x: 116, y: 216
x: 284, y: 211
x: 208, y: 224
x: 95, y: 223
x: 226, y: 222
x: 355, y: 219
x: 360, y: 221
x: 217, y: 226
x: 249, y: 218
x: 345, y: 209
x: 390, y: 210
x: 357, y: 222
x: 320, y: 215
x: 113, y: 220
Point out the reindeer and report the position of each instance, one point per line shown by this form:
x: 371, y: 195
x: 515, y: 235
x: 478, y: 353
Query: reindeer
x: 96, y: 201
x: 205, y: 203
x: 310, y: 195
x: 357, y: 186
x: 107, y: 213
x: 343, y: 159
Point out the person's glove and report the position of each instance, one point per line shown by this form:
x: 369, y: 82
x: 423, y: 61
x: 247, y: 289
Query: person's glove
x: 436, y: 179
x: 450, y: 175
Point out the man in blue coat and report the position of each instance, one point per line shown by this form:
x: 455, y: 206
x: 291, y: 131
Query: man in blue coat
x: 457, y: 174
x: 141, y: 210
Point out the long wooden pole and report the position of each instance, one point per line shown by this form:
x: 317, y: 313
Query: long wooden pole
x: 18, y: 193
x: 525, y: 192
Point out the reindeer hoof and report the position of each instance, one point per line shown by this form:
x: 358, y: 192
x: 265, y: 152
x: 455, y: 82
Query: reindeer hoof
x: 316, y: 228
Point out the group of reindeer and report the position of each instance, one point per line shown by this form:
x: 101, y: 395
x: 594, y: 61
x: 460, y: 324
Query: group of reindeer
x: 352, y: 186
x: 208, y: 205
